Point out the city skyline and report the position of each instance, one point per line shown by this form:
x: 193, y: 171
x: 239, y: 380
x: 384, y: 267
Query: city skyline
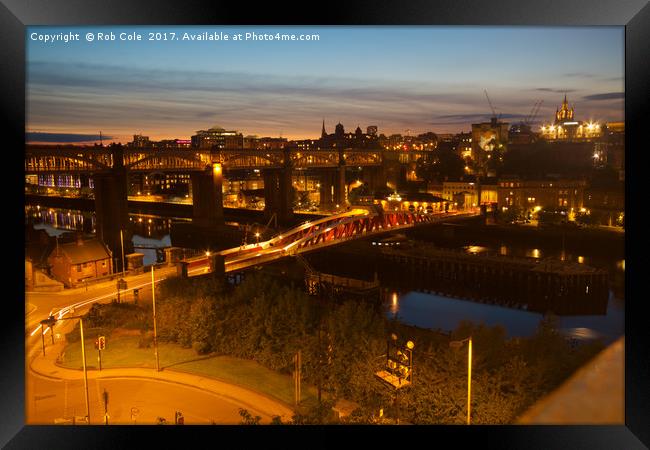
x: 169, y: 90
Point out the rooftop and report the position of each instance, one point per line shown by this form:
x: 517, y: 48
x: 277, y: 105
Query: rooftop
x: 88, y: 250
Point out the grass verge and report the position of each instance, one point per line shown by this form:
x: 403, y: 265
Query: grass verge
x: 123, y: 352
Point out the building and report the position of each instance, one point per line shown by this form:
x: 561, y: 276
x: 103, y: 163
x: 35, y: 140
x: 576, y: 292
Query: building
x: 531, y: 196
x: 140, y: 141
x: 521, y: 133
x: 340, y: 138
x: 488, y: 136
x: 422, y: 202
x: 73, y: 262
x: 606, y: 204
x: 469, y: 190
x: 219, y: 138
x: 566, y: 127
x: 254, y: 142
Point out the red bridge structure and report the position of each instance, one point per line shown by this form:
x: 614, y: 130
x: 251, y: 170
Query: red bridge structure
x: 358, y: 222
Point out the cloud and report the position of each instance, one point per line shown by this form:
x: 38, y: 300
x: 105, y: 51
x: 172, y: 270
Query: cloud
x: 607, y: 96
x: 78, y: 97
x: 558, y: 91
x: 36, y: 136
x: 579, y: 75
x: 473, y: 118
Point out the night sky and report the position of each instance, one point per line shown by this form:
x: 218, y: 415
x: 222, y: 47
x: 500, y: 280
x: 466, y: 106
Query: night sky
x: 398, y: 78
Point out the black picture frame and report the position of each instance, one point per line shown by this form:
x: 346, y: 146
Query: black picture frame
x: 15, y: 15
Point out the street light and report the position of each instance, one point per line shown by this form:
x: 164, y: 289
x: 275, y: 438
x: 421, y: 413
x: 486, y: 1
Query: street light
x: 52, y: 320
x: 155, y: 334
x: 122, y: 244
x: 458, y: 344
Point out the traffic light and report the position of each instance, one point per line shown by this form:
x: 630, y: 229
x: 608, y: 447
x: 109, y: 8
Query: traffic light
x: 96, y: 344
x: 101, y: 342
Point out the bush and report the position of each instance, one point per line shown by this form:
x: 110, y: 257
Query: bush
x: 201, y: 348
x: 146, y: 340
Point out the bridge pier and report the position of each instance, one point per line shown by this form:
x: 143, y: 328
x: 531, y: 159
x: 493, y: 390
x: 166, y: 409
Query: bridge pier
x: 207, y: 197
x: 278, y: 194
x: 375, y: 177
x: 112, y: 208
x: 340, y: 188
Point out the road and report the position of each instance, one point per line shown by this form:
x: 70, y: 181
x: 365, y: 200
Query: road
x: 50, y: 401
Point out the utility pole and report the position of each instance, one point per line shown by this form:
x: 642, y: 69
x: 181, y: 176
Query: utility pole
x: 51, y: 321
x: 83, y: 357
x: 155, y: 335
x: 122, y: 244
x: 297, y: 361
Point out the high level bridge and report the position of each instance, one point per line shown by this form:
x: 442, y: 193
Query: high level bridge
x: 109, y: 166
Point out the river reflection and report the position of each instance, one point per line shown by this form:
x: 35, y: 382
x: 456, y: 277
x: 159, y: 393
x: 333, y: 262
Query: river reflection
x: 445, y: 313
x: 429, y: 310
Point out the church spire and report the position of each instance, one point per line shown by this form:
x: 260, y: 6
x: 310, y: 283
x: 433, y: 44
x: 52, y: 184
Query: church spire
x: 323, y: 133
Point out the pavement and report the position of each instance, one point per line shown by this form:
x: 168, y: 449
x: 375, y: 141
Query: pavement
x: 255, y: 402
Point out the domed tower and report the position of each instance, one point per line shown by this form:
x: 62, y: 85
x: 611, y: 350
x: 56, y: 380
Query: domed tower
x: 339, y: 131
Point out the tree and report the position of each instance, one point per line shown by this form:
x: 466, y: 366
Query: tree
x: 247, y: 418
x: 511, y: 214
x: 442, y: 162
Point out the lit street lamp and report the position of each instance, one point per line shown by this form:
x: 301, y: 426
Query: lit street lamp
x: 458, y: 344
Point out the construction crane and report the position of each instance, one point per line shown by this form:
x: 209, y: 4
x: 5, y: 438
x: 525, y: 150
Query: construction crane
x: 494, y: 113
x: 534, y: 112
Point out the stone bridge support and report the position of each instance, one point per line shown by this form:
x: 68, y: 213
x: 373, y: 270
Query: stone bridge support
x: 112, y: 208
x: 207, y: 197
x: 333, y: 187
x: 375, y: 177
x: 278, y: 194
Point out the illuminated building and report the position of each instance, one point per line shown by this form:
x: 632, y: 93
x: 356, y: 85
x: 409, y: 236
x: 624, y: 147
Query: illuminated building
x: 254, y: 142
x: 488, y: 136
x: 217, y: 137
x: 530, y: 196
x: 140, y: 141
x: 450, y: 189
x: 422, y: 202
x: 565, y: 127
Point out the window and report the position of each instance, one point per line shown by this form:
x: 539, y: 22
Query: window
x: 78, y: 267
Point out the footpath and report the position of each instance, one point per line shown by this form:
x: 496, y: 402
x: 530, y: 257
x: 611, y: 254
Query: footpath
x: 255, y: 402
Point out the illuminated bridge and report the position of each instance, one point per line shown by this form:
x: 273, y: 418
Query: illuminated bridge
x: 357, y: 223
x: 108, y: 167
x: 97, y: 159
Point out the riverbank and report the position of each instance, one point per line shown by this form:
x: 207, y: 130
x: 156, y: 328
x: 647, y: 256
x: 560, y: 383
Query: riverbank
x: 587, y: 240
